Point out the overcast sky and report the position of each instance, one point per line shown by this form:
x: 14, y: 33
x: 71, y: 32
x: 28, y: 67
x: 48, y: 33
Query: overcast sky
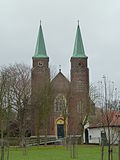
x: 100, y: 29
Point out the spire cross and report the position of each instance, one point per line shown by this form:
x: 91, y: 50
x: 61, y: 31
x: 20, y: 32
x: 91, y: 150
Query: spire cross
x: 59, y: 68
x: 40, y: 22
x: 78, y: 22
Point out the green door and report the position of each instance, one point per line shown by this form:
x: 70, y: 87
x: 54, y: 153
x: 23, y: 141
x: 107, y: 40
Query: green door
x: 104, y: 138
x: 60, y: 131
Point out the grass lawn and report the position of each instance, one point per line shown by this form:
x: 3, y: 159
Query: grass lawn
x: 85, y: 152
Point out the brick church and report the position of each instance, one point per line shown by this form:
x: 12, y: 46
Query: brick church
x: 76, y: 104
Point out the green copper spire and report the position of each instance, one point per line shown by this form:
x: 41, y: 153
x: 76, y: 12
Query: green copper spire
x: 78, y: 46
x: 40, y: 51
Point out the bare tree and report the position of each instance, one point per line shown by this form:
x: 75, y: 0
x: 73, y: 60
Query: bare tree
x: 2, y: 108
x: 15, y: 91
x: 5, y: 70
x: 40, y: 103
x: 65, y: 112
x: 48, y: 96
x: 43, y: 100
x: 85, y: 114
x: 109, y: 103
x: 21, y: 92
x: 5, y: 107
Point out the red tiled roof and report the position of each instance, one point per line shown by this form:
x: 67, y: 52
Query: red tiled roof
x: 108, y: 118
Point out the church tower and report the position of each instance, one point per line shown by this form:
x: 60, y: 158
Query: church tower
x: 79, y: 85
x: 39, y: 74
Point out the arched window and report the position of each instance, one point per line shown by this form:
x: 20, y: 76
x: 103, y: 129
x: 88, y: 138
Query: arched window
x: 80, y: 107
x: 60, y: 103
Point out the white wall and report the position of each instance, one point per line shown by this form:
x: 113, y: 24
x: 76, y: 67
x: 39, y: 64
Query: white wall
x: 94, y: 135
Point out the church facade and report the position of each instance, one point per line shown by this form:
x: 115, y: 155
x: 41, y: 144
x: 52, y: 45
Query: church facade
x: 70, y: 103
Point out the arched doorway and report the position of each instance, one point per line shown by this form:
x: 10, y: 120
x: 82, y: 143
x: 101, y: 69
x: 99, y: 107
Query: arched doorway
x: 86, y: 136
x: 60, y: 128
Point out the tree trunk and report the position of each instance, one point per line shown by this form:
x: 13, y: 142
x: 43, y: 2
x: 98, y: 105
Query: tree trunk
x: 74, y: 151
x: 64, y: 132
x: 21, y: 138
x: 2, y: 151
x: 8, y: 151
x: 22, y: 128
x: 45, y: 133
x: 82, y: 130
x: 102, y: 150
x: 38, y: 135
x: 38, y: 129
x: 23, y: 144
x: 119, y: 149
x: 2, y: 141
x: 109, y: 146
x: 8, y: 129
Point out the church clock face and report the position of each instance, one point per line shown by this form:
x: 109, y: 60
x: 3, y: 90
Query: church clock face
x: 40, y: 67
x: 40, y: 64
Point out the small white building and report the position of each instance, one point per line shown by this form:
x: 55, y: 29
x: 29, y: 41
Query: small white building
x: 95, y: 134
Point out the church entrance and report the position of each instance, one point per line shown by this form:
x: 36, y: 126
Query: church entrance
x: 60, y: 131
x: 59, y: 127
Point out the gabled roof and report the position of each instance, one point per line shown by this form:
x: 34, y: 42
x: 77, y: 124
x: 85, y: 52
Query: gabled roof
x: 113, y: 120
x: 61, y: 76
x: 61, y: 84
